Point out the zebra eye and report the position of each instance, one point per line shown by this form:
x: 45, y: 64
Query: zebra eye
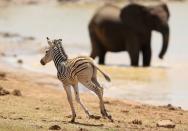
x: 47, y: 51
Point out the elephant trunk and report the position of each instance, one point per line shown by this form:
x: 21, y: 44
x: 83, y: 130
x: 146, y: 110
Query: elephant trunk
x: 165, y: 35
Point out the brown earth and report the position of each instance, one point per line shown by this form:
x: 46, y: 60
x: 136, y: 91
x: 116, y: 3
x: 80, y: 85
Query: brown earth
x: 43, y: 106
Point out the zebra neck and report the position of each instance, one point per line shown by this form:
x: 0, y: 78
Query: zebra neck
x: 58, y: 60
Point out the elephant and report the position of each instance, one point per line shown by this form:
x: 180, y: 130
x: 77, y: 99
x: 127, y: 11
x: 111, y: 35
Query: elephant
x: 128, y: 29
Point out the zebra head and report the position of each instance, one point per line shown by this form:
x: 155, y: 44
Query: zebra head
x: 55, y: 48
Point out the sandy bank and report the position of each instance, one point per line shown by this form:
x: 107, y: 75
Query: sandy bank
x: 42, y: 105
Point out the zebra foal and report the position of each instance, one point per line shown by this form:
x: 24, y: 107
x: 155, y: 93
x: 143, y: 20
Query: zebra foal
x: 71, y: 71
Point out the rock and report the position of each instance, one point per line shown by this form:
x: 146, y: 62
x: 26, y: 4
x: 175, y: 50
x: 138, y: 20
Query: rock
x: 166, y: 124
x: 55, y: 127
x: 16, y: 92
x: 83, y: 129
x: 19, y: 61
x: 170, y: 107
x: 2, y: 75
x: 137, y: 122
x: 3, y: 92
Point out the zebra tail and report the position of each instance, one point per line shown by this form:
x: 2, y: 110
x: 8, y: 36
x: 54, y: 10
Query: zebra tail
x: 105, y: 75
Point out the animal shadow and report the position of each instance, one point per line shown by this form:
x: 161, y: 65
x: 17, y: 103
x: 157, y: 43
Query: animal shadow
x: 87, y: 124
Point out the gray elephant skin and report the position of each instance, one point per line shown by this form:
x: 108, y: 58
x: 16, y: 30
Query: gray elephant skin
x: 128, y: 29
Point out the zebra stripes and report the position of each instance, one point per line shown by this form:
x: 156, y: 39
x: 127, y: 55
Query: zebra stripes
x: 71, y: 71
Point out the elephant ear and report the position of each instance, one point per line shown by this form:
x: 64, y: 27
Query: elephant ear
x: 135, y: 17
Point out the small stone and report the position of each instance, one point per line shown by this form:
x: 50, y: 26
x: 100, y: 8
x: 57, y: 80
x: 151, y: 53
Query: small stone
x: 16, y: 92
x: 20, y: 118
x: 37, y: 108
x: 166, y: 124
x: 124, y: 111
x: 137, y: 122
x: 55, y: 127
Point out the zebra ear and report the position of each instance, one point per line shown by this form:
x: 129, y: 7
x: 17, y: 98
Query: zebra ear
x: 49, y: 42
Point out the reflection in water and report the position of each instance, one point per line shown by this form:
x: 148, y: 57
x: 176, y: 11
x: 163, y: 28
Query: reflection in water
x: 165, y: 82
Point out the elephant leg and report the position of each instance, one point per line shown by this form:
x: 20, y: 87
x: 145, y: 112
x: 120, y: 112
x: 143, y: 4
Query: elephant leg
x: 134, y: 56
x: 93, y: 54
x: 146, y: 51
x: 95, y: 43
x: 102, y: 57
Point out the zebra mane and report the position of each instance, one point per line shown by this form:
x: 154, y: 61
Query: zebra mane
x: 61, y: 49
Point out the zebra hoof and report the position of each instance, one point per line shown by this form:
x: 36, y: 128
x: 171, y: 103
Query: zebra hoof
x: 72, y: 120
x: 91, y: 116
x: 110, y: 118
x: 104, y: 114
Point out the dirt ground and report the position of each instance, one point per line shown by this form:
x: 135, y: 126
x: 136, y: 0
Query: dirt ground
x: 42, y: 105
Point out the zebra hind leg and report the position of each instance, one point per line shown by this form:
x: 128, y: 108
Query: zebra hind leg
x: 93, y: 87
x: 94, y: 80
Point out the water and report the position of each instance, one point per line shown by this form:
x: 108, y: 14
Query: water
x: 165, y: 82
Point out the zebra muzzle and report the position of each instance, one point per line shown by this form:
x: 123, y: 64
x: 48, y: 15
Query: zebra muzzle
x: 42, y: 62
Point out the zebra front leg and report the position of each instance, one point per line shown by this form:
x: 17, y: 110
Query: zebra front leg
x: 77, y: 95
x: 69, y: 97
